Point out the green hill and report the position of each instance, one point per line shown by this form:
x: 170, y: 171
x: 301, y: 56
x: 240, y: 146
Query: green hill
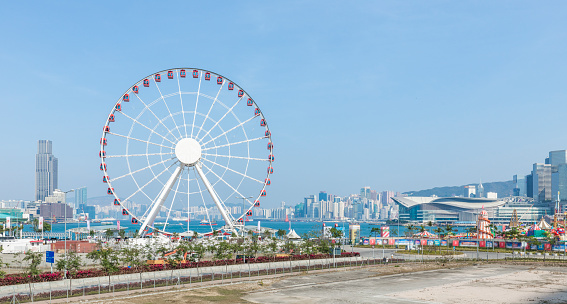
x: 502, y: 188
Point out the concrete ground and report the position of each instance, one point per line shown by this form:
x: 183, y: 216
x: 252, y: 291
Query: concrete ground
x: 491, y: 283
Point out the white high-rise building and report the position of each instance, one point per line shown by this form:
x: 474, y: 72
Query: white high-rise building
x: 45, y: 171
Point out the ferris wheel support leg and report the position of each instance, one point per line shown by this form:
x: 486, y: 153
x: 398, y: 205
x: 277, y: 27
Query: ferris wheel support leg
x: 161, y: 199
x: 214, y: 197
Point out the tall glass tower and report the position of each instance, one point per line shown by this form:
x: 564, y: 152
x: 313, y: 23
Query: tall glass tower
x: 45, y: 171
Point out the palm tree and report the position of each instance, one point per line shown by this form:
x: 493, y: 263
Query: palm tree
x: 409, y: 230
x: 374, y: 230
x: 422, y: 228
x: 430, y: 224
x: 450, y: 230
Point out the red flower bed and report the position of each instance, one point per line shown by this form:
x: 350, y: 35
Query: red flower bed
x: 89, y: 273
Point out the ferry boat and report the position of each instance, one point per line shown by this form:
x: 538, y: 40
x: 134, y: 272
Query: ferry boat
x: 204, y: 222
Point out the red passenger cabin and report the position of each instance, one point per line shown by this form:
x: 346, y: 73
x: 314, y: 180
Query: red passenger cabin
x: 231, y: 86
x: 268, y: 182
x: 270, y: 170
x: 124, y: 212
x: 195, y: 74
x: 270, y: 146
x: 219, y: 80
x: 249, y: 213
x: 257, y: 112
x: 263, y: 122
x: 169, y: 74
x: 207, y: 76
x: 110, y: 190
x: 111, y: 118
x: 126, y: 98
x: 240, y: 221
x: 134, y: 221
x: 118, y: 107
x: 157, y: 78
x: 102, y: 167
x: 271, y: 157
x: 106, y: 129
x: 267, y: 133
x: 146, y: 82
x: 249, y: 102
x: 102, y: 154
x: 105, y: 179
x: 240, y: 93
x: 263, y: 193
x: 103, y: 141
x: 135, y: 89
x: 116, y: 202
x: 257, y: 204
x: 182, y: 74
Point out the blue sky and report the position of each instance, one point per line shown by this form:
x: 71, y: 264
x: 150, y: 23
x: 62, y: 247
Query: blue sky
x: 392, y: 95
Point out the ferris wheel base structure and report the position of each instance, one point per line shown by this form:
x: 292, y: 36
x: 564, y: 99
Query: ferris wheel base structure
x: 173, y: 138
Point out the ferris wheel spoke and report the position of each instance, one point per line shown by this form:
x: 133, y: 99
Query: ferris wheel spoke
x: 182, y: 111
x: 154, y: 114
x: 149, y: 182
x: 214, y: 196
x: 226, y: 183
x: 129, y: 155
x: 165, y: 103
x: 142, y: 169
x: 234, y: 143
x: 229, y: 130
x: 210, y: 108
x: 173, y: 200
x: 225, y: 114
x: 196, y: 104
x: 238, y: 157
x: 203, y: 199
x: 151, y: 130
x: 239, y: 173
x: 161, y: 198
x: 140, y: 140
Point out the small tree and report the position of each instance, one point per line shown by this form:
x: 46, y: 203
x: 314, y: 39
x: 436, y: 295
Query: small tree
x: 70, y: 261
x: 108, y: 234
x: 336, y: 233
x: 107, y: 258
x: 2, y: 264
x: 122, y: 233
x: 92, y: 233
x: 36, y: 228
x: 34, y: 259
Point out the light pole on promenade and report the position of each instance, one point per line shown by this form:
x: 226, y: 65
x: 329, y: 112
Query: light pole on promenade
x: 65, y: 233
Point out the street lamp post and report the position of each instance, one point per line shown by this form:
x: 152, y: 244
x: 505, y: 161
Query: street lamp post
x: 65, y: 234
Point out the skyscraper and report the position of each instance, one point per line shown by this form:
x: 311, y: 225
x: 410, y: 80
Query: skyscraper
x: 80, y: 198
x: 45, y: 171
x: 542, y: 182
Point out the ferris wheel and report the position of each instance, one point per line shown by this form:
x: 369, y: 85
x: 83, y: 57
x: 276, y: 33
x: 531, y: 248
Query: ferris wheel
x: 186, y: 143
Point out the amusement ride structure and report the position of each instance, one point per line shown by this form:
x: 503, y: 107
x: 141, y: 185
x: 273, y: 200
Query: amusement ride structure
x: 186, y: 139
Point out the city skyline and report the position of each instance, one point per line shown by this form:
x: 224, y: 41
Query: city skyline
x: 399, y: 116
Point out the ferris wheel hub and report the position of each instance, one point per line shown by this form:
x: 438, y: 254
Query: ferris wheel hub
x: 188, y: 151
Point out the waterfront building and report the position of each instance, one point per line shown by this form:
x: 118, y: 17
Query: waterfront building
x: 45, y: 170
x: 480, y: 191
x: 557, y: 157
x: 520, y: 185
x: 322, y: 196
x: 470, y: 191
x: 541, y: 182
x: 443, y: 209
x: 80, y: 198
